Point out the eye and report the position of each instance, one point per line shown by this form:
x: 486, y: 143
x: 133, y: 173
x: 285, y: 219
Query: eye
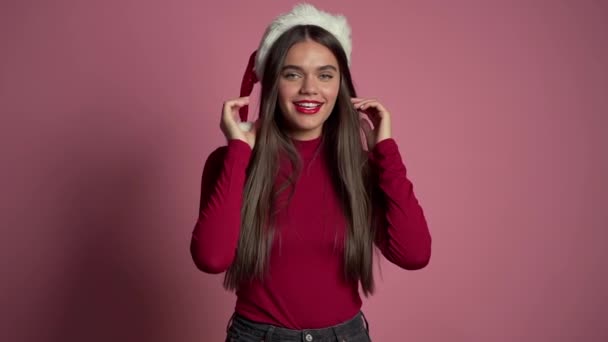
x: 290, y: 75
x: 326, y: 76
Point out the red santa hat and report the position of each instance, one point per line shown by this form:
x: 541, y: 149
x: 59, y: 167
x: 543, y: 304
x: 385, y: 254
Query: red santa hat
x: 301, y: 14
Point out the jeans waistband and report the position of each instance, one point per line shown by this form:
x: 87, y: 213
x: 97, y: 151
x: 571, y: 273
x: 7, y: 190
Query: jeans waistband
x: 268, y: 332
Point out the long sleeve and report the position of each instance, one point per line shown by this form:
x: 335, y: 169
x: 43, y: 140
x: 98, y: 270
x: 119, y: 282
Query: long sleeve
x: 216, y: 233
x: 404, y: 238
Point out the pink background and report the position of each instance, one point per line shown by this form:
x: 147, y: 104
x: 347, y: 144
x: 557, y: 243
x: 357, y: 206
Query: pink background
x: 109, y: 109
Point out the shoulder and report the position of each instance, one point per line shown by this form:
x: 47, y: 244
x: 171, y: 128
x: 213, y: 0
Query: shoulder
x: 218, y: 154
x: 234, y: 149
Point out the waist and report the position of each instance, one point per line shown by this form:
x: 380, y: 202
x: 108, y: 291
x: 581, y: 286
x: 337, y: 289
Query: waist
x: 309, y: 306
x: 239, y: 325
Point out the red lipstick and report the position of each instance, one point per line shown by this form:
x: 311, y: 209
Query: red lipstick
x: 308, y: 107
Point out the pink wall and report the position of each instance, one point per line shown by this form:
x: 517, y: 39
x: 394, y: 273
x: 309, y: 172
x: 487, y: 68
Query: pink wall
x: 109, y: 109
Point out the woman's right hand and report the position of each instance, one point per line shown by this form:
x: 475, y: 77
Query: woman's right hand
x: 231, y: 124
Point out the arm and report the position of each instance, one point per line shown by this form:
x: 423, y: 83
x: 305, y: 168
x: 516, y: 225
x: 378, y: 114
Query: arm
x: 403, y: 237
x: 216, y: 233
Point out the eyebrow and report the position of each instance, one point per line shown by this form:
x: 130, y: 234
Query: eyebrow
x: 322, y: 68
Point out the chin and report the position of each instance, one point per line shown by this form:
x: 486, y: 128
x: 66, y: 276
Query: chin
x: 308, y: 125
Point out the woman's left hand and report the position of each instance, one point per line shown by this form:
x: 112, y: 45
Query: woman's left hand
x: 375, y: 120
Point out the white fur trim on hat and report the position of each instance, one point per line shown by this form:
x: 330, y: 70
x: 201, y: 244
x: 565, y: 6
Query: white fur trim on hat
x: 303, y: 14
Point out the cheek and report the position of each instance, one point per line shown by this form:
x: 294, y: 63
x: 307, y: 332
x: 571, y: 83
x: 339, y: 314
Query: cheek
x: 331, y: 93
x: 287, y: 89
x: 282, y: 93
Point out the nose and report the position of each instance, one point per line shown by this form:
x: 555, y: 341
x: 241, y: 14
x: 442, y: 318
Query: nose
x: 309, y: 85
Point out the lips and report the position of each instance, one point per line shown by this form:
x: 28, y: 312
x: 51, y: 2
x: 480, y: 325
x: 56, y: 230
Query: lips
x: 308, y: 107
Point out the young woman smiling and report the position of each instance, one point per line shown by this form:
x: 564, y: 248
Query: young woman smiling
x: 293, y: 207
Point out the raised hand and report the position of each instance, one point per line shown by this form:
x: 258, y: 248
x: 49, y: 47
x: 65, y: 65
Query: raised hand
x: 231, y: 124
x: 375, y: 120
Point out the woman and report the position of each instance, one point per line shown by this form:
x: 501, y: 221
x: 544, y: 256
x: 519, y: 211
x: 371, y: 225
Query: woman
x: 293, y: 206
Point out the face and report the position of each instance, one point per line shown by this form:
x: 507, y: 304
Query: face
x: 308, y: 87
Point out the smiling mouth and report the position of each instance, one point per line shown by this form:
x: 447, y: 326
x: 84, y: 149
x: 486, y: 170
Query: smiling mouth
x: 308, y: 107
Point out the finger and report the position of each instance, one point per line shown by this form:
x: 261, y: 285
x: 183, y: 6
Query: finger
x: 232, y: 107
x: 372, y: 113
x: 237, y: 103
x: 364, y: 106
x: 367, y: 103
x: 359, y: 101
x: 243, y: 98
x: 240, y: 102
x: 371, y: 104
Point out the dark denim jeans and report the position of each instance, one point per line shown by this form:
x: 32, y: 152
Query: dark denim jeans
x: 241, y: 329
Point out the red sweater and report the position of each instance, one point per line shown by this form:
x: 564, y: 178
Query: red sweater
x: 306, y: 287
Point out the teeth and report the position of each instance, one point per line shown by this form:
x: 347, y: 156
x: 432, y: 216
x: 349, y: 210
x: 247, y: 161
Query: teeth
x: 309, y: 105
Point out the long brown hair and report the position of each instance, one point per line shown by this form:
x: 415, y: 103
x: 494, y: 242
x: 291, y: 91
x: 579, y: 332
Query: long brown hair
x: 349, y: 166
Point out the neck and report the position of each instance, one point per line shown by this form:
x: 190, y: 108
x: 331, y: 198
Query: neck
x: 308, y: 147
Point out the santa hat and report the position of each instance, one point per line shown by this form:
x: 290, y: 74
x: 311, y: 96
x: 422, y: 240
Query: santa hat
x: 302, y: 14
